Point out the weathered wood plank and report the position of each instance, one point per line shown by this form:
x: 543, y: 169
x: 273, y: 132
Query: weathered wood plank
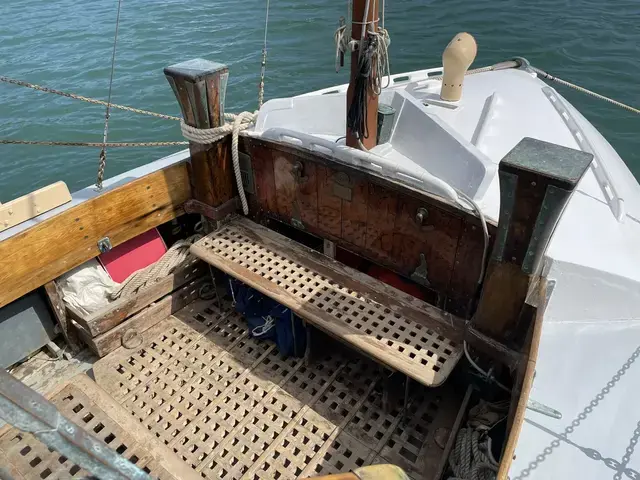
x: 54, y: 297
x: 381, y: 217
x: 44, y: 252
x: 199, y: 87
x: 285, y: 186
x: 379, y: 320
x: 262, y: 164
x: 329, y: 206
x: 307, y: 194
x: 117, y: 311
x: 436, y: 237
x: 128, y: 332
x: 354, y: 213
x: 536, y: 181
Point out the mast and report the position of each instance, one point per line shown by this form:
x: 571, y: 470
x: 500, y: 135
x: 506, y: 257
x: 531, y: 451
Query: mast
x: 373, y: 17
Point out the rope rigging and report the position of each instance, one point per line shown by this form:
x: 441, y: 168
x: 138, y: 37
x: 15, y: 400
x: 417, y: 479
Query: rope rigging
x: 103, y: 152
x: 357, y: 114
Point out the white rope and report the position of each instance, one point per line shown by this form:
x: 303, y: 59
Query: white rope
x: 268, y: 324
x: 205, y: 136
x: 174, y: 257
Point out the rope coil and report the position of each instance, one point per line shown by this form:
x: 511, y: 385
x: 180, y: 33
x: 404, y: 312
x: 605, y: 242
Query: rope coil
x: 206, y: 136
x: 175, y: 256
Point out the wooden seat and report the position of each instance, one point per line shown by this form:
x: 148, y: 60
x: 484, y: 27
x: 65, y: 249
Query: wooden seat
x: 388, y: 325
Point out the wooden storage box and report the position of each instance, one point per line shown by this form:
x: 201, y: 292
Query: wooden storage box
x: 123, y: 321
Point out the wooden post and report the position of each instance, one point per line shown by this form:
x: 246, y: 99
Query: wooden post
x: 54, y: 297
x: 200, y: 86
x: 372, y: 99
x: 536, y: 181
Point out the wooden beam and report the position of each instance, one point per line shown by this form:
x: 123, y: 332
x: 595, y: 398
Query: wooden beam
x: 56, y: 245
x: 199, y: 86
x: 54, y: 296
x: 536, y: 181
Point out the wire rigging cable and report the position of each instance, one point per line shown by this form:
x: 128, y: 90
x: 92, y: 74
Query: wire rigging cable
x: 103, y: 153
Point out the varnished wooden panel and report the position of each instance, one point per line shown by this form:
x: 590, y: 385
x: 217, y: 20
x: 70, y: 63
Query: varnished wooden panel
x: 307, y: 195
x: 354, y: 213
x: 56, y: 245
x: 381, y: 217
x: 468, y: 260
x: 436, y: 238
x: 285, y: 185
x: 373, y: 220
x: 329, y: 206
x: 263, y: 174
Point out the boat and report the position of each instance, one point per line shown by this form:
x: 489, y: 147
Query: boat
x: 430, y: 274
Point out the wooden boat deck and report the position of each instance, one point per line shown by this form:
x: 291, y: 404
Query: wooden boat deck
x: 391, y: 327
x: 227, y: 406
x: 230, y: 407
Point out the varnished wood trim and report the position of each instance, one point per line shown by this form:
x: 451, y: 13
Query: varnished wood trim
x: 527, y: 384
x: 47, y: 250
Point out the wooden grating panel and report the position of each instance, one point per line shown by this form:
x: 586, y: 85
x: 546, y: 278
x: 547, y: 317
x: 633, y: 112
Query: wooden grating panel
x: 83, y: 403
x: 327, y: 295
x: 251, y: 414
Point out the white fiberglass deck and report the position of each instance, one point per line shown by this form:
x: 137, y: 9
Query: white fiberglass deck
x: 587, y: 365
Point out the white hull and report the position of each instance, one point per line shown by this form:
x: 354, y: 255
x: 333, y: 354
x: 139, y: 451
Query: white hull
x: 592, y: 322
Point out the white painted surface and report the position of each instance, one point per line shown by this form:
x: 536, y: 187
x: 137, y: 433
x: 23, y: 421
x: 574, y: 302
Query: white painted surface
x: 592, y: 323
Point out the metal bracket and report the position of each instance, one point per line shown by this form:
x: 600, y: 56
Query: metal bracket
x: 421, y: 272
x: 104, y: 245
x: 421, y: 215
x: 329, y: 248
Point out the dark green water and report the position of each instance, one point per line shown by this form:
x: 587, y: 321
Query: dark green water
x: 66, y: 44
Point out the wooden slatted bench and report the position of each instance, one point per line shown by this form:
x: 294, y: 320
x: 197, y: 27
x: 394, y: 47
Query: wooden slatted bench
x: 390, y: 326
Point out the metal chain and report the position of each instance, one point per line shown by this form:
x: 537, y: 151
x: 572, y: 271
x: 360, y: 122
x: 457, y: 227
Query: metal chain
x: 74, y: 96
x: 93, y: 144
x: 102, y: 162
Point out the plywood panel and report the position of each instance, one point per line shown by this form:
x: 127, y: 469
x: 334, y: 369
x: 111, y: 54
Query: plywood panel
x: 354, y: 213
x: 285, y: 185
x: 329, y: 206
x: 262, y: 163
x: 436, y: 237
x: 307, y: 195
x: 44, y: 252
x: 381, y: 216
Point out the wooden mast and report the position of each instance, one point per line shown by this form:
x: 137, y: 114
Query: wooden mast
x: 372, y: 99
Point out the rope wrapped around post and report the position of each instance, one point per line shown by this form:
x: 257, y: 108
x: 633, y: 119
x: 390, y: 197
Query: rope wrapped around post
x: 206, y: 136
